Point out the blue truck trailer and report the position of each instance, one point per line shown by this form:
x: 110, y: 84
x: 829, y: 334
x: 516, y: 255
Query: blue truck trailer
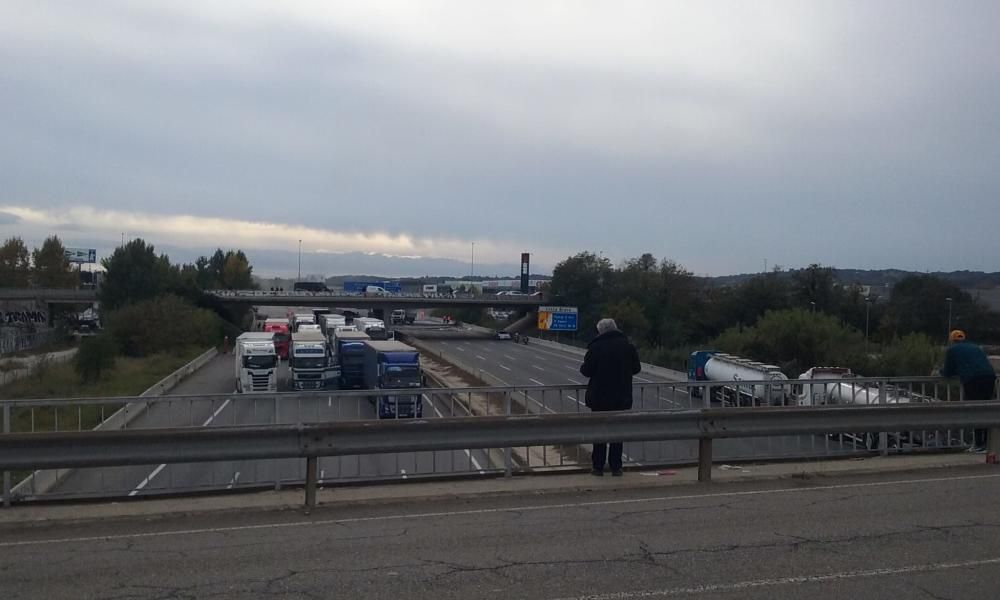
x: 394, y: 367
x: 351, y: 358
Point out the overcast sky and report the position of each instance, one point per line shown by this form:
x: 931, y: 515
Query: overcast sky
x: 719, y: 134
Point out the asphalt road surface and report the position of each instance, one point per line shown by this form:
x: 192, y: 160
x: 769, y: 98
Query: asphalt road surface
x: 926, y: 536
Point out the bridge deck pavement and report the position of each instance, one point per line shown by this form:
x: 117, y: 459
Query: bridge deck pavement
x: 926, y: 534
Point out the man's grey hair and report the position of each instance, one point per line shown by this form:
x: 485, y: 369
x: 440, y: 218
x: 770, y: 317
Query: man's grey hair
x: 606, y: 325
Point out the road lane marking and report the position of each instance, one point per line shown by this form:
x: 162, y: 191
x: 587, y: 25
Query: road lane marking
x: 475, y: 463
x: 509, y: 357
x: 480, y: 357
x: 485, y: 511
x: 537, y: 367
x: 575, y: 381
x: 643, y: 379
x: 715, y: 588
x: 536, y: 381
x: 503, y: 367
x: 157, y: 470
x: 403, y: 471
x: 146, y: 481
x: 233, y: 481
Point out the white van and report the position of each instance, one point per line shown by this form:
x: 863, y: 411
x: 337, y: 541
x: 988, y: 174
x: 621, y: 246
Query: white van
x: 375, y: 290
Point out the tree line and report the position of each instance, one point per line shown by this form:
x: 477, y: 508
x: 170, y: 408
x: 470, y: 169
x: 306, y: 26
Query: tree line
x: 797, y: 321
x: 44, y: 267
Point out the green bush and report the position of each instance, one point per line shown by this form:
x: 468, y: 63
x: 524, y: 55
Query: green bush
x: 797, y: 339
x: 163, y: 324
x: 913, y: 354
x: 95, y: 357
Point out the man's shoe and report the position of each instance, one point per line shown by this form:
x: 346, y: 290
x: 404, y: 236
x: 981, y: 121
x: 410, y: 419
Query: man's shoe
x: 617, y: 473
x: 597, y: 472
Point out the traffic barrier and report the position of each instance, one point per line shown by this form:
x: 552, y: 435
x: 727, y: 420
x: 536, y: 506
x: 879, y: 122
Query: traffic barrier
x: 43, y: 481
x: 186, y: 445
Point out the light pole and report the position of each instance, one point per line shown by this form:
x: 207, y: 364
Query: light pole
x: 813, y: 306
x: 868, y: 305
x: 300, y: 260
x: 949, y: 316
x: 472, y: 267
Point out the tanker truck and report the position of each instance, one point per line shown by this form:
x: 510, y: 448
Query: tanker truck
x: 711, y: 366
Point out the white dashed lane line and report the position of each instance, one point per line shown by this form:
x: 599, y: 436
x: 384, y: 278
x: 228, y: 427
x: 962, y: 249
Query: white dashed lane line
x: 503, y: 367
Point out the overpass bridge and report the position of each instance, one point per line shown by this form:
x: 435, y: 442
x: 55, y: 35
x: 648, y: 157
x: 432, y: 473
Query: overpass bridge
x: 48, y: 295
x: 267, y: 298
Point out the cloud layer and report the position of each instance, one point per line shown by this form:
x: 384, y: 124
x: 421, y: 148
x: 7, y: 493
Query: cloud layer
x: 718, y: 133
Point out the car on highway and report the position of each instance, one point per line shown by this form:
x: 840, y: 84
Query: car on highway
x: 503, y: 335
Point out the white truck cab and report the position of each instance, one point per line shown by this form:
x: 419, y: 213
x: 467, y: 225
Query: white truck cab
x: 256, y: 363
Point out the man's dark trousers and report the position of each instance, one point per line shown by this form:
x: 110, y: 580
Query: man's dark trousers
x: 979, y: 388
x: 614, y: 458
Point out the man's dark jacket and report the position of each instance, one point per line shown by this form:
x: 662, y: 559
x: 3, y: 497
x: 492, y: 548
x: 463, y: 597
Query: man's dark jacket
x: 610, y: 363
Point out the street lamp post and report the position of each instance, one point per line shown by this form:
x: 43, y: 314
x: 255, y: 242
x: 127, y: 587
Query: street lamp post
x: 868, y: 305
x: 813, y: 306
x: 300, y: 260
x: 949, y: 316
x: 472, y: 267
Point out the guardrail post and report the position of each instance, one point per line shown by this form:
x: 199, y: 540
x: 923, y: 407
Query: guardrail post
x: 6, y: 474
x: 883, y: 436
x: 508, y: 461
x: 312, y: 467
x: 706, y: 396
x: 705, y: 460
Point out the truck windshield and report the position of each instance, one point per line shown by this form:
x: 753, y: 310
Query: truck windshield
x: 402, y: 374
x: 259, y: 361
x: 310, y: 362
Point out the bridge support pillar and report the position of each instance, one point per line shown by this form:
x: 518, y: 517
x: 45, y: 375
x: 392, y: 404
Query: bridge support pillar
x: 705, y: 460
x: 312, y: 468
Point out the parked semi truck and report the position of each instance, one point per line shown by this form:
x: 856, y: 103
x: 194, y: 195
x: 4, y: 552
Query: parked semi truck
x: 350, y: 353
x: 394, y: 368
x: 256, y: 362
x: 282, y: 336
x: 308, y: 361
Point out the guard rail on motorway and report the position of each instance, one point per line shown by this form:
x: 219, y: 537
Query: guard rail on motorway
x: 228, y: 410
x: 89, y: 449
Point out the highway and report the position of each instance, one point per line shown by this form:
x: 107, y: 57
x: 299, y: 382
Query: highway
x: 217, y: 378
x: 926, y: 535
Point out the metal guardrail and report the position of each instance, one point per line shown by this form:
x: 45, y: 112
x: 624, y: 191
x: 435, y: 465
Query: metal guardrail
x: 88, y: 449
x: 229, y: 410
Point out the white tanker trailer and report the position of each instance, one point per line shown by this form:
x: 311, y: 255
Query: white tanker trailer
x: 704, y: 365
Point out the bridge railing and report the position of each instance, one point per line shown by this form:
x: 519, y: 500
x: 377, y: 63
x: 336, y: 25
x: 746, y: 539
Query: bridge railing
x: 236, y: 410
x: 313, y: 441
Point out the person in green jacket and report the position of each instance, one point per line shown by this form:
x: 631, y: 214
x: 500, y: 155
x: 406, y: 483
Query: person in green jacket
x: 969, y: 363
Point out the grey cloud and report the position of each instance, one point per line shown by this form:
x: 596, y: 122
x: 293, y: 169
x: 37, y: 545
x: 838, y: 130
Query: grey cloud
x: 873, y: 148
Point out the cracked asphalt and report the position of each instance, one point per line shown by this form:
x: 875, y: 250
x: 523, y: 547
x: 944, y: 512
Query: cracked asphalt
x: 930, y: 534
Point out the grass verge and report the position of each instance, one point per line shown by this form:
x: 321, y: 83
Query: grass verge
x: 130, y: 377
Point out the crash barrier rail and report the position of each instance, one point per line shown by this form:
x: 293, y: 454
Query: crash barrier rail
x: 187, y: 445
x: 196, y: 411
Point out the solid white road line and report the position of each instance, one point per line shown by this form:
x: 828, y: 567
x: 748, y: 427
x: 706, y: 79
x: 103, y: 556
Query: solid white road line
x: 717, y: 588
x: 472, y: 459
x: 157, y: 470
x: 514, y: 509
x: 146, y: 481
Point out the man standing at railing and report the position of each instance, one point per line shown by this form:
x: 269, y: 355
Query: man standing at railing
x: 610, y: 363
x: 970, y: 364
